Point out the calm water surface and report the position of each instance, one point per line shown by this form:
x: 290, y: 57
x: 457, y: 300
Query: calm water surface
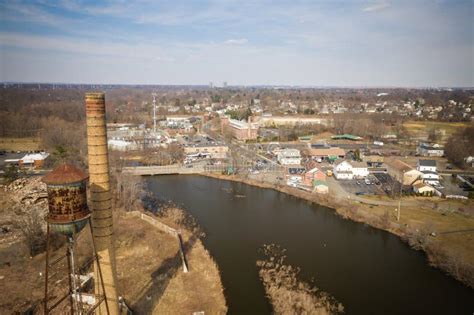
x: 369, y: 271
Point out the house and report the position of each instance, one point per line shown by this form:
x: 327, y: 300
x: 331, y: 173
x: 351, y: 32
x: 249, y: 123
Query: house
x: 359, y: 169
x: 470, y: 160
x: 428, y: 168
x: 295, y: 175
x: 343, y: 170
x: 289, y: 157
x: 33, y: 161
x: 374, y: 160
x: 313, y: 175
x: 425, y: 149
x: 328, y: 153
x: 403, y: 173
x: 423, y: 189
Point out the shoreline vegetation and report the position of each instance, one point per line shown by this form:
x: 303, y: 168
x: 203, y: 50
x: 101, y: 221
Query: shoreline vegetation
x: 441, y: 255
x: 288, y: 294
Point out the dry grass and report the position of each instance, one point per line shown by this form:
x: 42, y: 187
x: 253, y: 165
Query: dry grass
x: 20, y: 144
x: 322, y: 136
x: 155, y: 282
x: 198, y: 290
x: 421, y: 128
x: 288, y: 294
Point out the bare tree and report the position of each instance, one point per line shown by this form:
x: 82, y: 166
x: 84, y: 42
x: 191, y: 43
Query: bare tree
x: 130, y: 190
x: 31, y: 226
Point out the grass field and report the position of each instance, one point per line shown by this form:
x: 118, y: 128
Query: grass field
x: 422, y: 128
x: 19, y: 144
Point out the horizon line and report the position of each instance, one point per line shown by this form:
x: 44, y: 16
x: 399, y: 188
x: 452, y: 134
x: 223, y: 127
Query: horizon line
x: 304, y: 86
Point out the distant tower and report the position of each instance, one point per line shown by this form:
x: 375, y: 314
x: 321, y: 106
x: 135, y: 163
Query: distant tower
x: 211, y: 85
x: 68, y: 215
x: 154, y: 112
x: 224, y: 84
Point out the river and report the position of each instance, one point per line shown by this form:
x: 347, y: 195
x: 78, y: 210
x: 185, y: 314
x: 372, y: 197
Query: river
x: 368, y: 270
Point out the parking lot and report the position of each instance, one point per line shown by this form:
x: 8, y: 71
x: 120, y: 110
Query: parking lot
x: 451, y: 186
x: 359, y: 187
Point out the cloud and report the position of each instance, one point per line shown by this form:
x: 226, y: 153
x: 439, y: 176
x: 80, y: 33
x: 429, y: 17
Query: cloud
x: 377, y: 6
x: 85, y: 47
x: 240, y: 41
x: 25, y: 12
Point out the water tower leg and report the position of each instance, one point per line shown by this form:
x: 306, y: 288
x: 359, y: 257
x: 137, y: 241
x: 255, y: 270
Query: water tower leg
x: 46, y: 272
x: 69, y: 270
x: 99, y: 272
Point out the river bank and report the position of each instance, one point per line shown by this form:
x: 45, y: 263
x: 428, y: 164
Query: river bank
x: 452, y: 253
x: 149, y: 270
x: 157, y: 283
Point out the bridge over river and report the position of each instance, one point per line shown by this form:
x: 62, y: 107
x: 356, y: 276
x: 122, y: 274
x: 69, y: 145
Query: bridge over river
x: 162, y: 170
x: 191, y: 169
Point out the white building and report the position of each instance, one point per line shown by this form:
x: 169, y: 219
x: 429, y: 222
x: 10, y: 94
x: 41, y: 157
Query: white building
x: 428, y: 168
x: 425, y: 149
x: 423, y: 189
x: 359, y: 169
x: 350, y: 170
x: 343, y: 170
x: 289, y: 157
x: 35, y: 160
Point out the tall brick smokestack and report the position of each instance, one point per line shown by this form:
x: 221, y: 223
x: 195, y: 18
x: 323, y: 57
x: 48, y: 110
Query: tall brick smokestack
x: 100, y: 197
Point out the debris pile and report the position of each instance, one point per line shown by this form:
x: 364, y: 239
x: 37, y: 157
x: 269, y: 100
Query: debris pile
x: 18, y: 201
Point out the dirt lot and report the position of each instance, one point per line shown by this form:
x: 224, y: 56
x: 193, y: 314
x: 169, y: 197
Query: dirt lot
x: 19, y: 144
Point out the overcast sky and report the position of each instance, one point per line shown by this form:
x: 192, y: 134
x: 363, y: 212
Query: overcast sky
x: 287, y: 42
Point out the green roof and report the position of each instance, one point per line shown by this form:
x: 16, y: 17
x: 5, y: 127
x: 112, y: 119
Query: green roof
x: 318, y: 182
x: 346, y: 136
x: 307, y: 138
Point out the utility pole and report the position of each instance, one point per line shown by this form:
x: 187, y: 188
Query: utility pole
x: 400, y: 198
x: 154, y: 112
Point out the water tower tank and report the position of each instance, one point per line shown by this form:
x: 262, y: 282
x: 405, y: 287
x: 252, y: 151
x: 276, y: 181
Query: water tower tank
x: 67, y: 199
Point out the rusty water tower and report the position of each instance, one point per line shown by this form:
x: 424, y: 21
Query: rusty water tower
x: 67, y: 199
x: 68, y: 215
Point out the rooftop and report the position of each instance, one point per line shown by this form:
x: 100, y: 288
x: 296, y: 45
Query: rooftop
x: 429, y: 146
x: 346, y: 136
x: 358, y: 164
x: 335, y: 151
x: 64, y: 174
x: 427, y: 163
x: 400, y: 166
